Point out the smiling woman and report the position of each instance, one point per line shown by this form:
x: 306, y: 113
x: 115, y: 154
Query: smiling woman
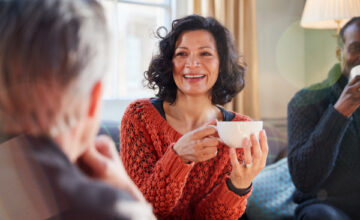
x: 228, y: 84
x: 168, y: 146
x: 196, y: 63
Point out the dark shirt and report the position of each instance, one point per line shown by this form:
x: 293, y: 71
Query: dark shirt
x: 158, y: 104
x: 39, y: 182
x: 228, y: 116
x: 324, y: 147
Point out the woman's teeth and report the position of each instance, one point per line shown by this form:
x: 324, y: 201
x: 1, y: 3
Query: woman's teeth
x: 193, y: 76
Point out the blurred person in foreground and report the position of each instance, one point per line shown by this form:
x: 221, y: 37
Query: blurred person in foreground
x: 324, y: 138
x: 52, y: 61
x: 168, y: 146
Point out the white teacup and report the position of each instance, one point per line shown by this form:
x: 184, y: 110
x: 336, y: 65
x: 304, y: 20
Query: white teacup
x: 232, y: 133
x: 354, y: 72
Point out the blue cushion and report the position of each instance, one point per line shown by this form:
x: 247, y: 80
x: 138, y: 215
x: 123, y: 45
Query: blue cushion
x: 272, y: 194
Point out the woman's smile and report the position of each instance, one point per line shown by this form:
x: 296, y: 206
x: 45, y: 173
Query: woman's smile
x: 194, y: 76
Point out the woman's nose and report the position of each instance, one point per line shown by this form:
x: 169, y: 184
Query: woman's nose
x: 192, y: 61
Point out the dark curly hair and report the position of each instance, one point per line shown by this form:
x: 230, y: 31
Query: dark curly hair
x: 159, y: 75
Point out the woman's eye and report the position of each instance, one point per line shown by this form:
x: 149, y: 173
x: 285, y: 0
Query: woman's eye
x: 180, y: 54
x: 205, y: 54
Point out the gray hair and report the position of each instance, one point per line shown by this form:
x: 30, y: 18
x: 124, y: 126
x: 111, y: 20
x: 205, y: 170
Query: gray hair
x: 49, y: 50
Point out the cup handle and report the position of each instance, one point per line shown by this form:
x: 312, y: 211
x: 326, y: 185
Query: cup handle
x: 214, y: 126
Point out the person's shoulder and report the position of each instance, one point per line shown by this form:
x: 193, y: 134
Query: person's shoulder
x: 311, y: 95
x: 138, y: 103
x: 56, y: 182
x: 138, y: 107
x: 140, y: 112
x: 97, y: 200
x: 318, y: 92
x: 108, y: 202
x: 86, y: 198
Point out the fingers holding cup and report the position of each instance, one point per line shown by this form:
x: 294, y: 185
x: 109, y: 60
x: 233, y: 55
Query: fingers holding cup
x: 234, y: 160
x: 259, y: 149
x: 264, y: 147
x: 248, y: 158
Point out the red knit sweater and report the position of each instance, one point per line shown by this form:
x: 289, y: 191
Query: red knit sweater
x: 176, y: 190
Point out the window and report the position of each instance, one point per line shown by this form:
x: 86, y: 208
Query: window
x: 133, y: 24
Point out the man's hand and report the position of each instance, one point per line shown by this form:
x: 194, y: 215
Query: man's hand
x: 349, y: 99
x: 102, y: 162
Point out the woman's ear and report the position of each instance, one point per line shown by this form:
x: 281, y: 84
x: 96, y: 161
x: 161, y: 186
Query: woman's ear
x: 95, y: 98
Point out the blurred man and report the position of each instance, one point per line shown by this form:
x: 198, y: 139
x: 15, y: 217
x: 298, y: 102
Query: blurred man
x: 324, y: 139
x: 52, y: 61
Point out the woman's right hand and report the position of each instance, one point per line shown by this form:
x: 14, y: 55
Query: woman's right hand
x: 197, y: 145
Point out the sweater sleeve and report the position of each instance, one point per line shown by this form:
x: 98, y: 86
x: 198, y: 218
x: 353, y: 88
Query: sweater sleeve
x: 314, y: 135
x: 161, y: 180
x: 222, y: 203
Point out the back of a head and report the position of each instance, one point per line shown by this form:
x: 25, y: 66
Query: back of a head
x: 51, y: 54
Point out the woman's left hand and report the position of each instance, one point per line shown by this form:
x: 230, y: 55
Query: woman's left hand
x: 255, y: 154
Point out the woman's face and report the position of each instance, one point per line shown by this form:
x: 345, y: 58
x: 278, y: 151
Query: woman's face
x: 195, y: 62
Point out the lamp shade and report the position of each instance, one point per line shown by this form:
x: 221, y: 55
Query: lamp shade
x: 324, y: 14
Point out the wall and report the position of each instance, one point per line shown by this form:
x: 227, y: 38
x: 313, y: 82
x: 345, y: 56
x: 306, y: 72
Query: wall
x: 320, y: 52
x: 290, y: 57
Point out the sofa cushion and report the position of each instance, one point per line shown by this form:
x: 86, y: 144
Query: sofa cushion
x: 277, y: 142
x: 271, y: 197
x: 111, y: 128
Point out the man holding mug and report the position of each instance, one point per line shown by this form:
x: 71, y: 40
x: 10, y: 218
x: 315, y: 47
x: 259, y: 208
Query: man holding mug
x: 324, y: 138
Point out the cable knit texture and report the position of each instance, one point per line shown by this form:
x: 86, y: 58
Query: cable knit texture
x: 175, y: 189
x: 324, y: 147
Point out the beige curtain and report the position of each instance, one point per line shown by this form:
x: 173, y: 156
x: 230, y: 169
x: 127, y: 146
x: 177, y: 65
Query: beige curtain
x: 239, y: 16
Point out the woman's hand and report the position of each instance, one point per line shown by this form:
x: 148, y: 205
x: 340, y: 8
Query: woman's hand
x: 255, y: 154
x: 102, y: 161
x: 197, y: 145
